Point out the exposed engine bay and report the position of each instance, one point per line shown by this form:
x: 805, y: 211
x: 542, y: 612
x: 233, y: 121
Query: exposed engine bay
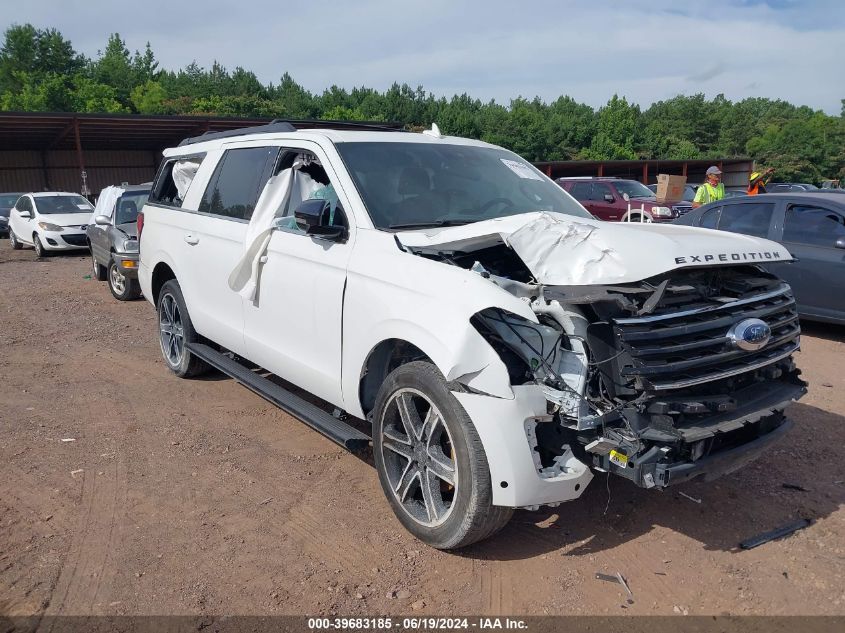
x: 659, y: 381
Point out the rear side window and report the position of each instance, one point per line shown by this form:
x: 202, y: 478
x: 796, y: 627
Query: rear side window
x: 24, y: 204
x: 581, y: 190
x: 710, y: 218
x: 748, y: 219
x: 173, y: 180
x: 237, y: 182
x: 815, y: 226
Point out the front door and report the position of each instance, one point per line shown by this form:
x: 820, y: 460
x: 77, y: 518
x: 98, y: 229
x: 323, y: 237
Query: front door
x: 23, y: 226
x: 810, y: 232
x: 294, y: 326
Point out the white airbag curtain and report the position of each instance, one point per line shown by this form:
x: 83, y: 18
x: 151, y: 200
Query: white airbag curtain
x: 281, y: 195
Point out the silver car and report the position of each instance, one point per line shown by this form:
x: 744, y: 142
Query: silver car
x: 113, y: 238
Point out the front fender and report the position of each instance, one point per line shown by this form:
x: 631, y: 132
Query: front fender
x: 392, y: 294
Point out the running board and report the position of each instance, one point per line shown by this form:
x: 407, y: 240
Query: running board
x: 336, y: 430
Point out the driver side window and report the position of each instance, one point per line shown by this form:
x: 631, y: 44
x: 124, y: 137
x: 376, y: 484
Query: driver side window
x: 310, y: 182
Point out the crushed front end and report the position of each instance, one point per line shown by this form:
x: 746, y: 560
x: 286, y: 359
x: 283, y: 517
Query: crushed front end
x: 680, y: 376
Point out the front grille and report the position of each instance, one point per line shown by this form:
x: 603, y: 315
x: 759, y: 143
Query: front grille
x: 75, y: 240
x: 690, y: 347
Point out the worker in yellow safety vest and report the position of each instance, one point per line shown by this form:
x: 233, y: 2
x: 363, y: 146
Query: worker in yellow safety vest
x: 758, y: 180
x: 711, y: 190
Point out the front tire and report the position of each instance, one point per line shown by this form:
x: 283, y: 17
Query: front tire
x: 122, y: 287
x: 430, y: 460
x: 176, y: 331
x: 13, y: 241
x: 40, y: 251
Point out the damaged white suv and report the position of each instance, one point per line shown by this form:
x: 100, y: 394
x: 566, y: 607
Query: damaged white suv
x: 454, y: 306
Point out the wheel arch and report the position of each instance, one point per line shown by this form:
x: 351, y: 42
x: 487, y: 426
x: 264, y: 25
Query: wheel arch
x: 382, y: 359
x: 162, y: 273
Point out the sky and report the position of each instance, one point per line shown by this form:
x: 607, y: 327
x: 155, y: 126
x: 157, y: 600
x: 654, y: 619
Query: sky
x: 644, y: 50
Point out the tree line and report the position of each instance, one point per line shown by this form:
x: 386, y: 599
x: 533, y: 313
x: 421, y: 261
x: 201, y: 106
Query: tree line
x: 41, y: 71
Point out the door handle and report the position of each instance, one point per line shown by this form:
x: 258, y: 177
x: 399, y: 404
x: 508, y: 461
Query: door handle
x: 192, y: 239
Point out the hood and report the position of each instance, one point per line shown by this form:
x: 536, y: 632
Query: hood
x: 66, y: 219
x: 130, y: 228
x: 564, y: 250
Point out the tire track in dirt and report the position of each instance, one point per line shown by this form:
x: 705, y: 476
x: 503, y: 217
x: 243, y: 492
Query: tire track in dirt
x: 85, y: 572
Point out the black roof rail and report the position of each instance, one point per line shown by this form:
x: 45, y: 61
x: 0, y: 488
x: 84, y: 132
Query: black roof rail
x: 319, y: 124
x: 292, y: 125
x: 274, y: 126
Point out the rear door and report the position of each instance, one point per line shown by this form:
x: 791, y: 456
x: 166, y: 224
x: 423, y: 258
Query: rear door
x: 749, y: 218
x: 214, y: 241
x: 810, y: 232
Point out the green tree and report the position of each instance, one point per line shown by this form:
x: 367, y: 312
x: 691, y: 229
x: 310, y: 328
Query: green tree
x: 616, y: 132
x: 149, y: 98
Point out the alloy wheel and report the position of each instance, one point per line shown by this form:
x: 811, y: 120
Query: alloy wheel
x: 416, y: 448
x: 171, y: 329
x: 116, y: 279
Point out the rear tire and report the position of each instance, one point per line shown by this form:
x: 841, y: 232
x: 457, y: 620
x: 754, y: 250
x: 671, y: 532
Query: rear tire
x: 430, y: 460
x: 98, y: 271
x: 13, y: 241
x: 122, y: 287
x: 176, y: 331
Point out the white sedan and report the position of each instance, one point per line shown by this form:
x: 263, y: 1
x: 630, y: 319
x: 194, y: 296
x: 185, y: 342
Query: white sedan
x: 50, y: 221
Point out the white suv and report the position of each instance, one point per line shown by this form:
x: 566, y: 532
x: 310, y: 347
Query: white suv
x: 457, y: 308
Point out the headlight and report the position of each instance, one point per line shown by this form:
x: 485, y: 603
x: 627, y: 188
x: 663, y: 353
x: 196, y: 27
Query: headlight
x: 47, y: 226
x: 661, y: 212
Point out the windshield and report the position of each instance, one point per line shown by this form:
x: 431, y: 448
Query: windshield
x: 633, y: 188
x: 413, y: 185
x: 8, y: 200
x: 53, y: 205
x: 128, y: 205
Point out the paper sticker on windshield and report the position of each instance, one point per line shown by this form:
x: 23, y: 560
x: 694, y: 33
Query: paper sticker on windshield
x: 521, y: 169
x: 83, y: 206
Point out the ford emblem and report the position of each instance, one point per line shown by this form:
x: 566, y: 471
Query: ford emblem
x: 750, y: 334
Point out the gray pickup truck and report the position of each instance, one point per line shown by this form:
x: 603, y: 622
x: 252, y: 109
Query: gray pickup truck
x: 113, y: 239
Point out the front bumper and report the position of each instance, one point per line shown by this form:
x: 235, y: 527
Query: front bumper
x: 723, y: 463
x: 127, y: 263
x: 64, y: 240
x: 506, y: 428
x: 715, y: 445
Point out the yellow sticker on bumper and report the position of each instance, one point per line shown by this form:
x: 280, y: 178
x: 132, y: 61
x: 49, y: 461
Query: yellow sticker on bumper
x: 620, y: 459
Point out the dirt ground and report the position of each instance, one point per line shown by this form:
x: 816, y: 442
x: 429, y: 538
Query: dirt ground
x: 198, y: 497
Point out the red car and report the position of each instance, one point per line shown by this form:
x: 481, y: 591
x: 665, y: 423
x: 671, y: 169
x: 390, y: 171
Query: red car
x: 609, y: 198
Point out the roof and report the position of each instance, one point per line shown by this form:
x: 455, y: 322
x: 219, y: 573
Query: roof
x: 57, y: 130
x: 333, y: 135
x: 42, y: 194
x: 817, y: 196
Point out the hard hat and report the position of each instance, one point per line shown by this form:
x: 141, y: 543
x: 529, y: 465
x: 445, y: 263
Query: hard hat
x: 754, y: 175
x: 713, y: 170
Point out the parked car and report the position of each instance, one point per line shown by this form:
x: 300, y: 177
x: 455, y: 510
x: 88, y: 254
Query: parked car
x: 785, y: 187
x: 113, y: 239
x: 609, y: 199
x: 810, y: 225
x: 7, y: 201
x: 458, y: 309
x: 49, y: 221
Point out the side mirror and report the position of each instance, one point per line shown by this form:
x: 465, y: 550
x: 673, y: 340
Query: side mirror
x: 312, y: 216
x: 102, y: 220
x: 25, y: 214
x: 840, y: 243
x: 626, y: 197
x: 608, y: 198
